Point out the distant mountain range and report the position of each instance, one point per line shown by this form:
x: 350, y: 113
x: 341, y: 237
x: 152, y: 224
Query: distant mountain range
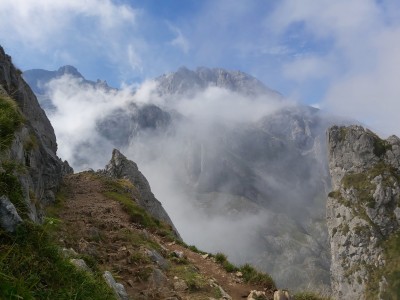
x: 274, y: 167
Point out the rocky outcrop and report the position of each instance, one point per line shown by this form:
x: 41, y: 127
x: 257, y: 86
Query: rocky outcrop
x: 9, y: 217
x: 363, y: 213
x: 186, y: 81
x: 30, y: 157
x: 122, y: 168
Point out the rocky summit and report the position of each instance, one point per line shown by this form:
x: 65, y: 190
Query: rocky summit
x: 363, y: 213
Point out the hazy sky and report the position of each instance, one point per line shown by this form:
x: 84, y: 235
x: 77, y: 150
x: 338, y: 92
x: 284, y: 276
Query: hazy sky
x: 342, y: 55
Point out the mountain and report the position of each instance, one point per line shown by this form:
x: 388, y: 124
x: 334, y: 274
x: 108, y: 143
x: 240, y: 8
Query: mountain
x: 188, y: 81
x: 38, y: 80
x: 61, y: 232
x: 30, y: 170
x: 262, y: 174
x: 363, y: 213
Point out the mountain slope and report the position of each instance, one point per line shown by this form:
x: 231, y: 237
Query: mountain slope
x: 29, y: 167
x: 218, y: 145
x: 149, y: 263
x: 363, y: 213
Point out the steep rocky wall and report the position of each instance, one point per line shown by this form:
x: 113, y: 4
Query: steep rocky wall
x: 121, y: 168
x: 363, y: 213
x: 31, y: 156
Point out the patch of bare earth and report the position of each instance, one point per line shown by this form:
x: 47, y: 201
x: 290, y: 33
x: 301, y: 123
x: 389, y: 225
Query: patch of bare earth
x: 97, y: 226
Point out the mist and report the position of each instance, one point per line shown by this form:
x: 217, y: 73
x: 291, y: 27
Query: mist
x: 229, y: 176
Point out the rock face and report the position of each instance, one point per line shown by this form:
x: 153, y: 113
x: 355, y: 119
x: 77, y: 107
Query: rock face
x: 363, y: 213
x: 122, y: 168
x: 9, y: 217
x: 31, y: 157
x: 187, y: 81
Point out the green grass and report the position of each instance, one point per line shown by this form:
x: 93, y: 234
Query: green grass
x: 10, y: 121
x: 381, y: 146
x: 223, y: 260
x: 32, y: 267
x: 124, y: 192
x: 250, y: 274
x: 391, y: 271
x: 309, y: 296
x: 194, y: 280
x: 136, y: 213
x: 10, y: 186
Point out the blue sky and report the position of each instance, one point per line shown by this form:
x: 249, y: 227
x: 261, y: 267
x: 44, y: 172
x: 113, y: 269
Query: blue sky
x: 342, y: 55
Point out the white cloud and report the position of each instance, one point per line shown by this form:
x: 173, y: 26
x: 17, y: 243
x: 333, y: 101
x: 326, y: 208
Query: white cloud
x: 36, y: 22
x: 78, y: 108
x: 361, y: 64
x: 306, y: 68
x: 179, y: 41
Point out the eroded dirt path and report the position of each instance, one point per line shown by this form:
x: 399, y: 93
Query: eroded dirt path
x: 99, y: 228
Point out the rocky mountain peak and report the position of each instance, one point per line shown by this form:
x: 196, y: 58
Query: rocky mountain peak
x: 185, y: 81
x: 70, y: 70
x: 363, y: 213
x: 121, y: 168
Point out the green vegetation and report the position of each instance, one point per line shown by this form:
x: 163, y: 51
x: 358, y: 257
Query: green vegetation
x: 31, y: 143
x: 192, y: 277
x: 249, y: 273
x: 11, y: 187
x: 10, y: 121
x: 391, y: 271
x: 137, y: 239
x: 125, y: 192
x: 223, y: 260
x: 381, y: 146
x: 32, y: 267
x: 310, y: 296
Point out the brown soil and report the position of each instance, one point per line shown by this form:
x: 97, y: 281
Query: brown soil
x: 98, y: 227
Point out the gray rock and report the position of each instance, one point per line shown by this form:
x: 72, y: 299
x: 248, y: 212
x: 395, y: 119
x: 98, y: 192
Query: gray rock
x: 9, y: 217
x: 120, y: 167
x: 362, y: 209
x: 180, y: 285
x: 187, y: 81
x: 80, y: 264
x: 68, y: 252
x: 158, y: 259
x: 158, y: 279
x: 34, y: 146
x: 118, y: 288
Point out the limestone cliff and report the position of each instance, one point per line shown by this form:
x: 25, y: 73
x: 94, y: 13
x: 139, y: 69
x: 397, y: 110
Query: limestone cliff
x: 121, y: 168
x: 30, y: 170
x: 363, y: 213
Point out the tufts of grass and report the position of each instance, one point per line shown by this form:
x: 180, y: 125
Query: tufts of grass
x: 32, y: 267
x: 137, y: 239
x: 10, y: 186
x: 124, y: 192
x: 194, y: 280
x: 309, y: 296
x: 391, y: 271
x: 251, y: 275
x: 223, y: 260
x: 381, y: 146
x: 31, y: 143
x: 10, y: 121
x: 136, y: 213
